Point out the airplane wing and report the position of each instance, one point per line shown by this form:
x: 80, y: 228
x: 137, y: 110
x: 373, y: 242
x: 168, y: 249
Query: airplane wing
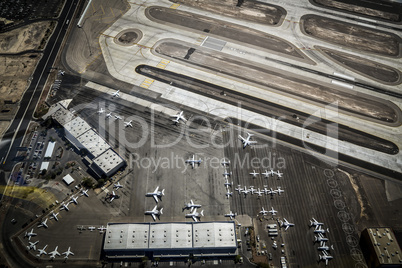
x: 156, y: 190
x: 155, y: 197
x: 194, y: 218
x: 153, y: 217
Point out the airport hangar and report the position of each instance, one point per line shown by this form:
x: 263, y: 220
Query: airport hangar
x: 170, y: 240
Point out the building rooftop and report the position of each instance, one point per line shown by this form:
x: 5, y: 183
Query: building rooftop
x: 183, y: 235
x: 77, y: 127
x: 50, y: 148
x: 385, y: 245
x: 63, y: 116
x: 93, y: 142
x: 108, y: 161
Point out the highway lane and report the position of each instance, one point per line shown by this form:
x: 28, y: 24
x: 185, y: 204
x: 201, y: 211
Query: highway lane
x: 16, y: 132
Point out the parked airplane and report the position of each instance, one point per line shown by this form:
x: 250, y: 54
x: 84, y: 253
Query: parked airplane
x: 228, y: 194
x: 155, y: 194
x: 67, y: 253
x: 54, y: 215
x: 239, y: 189
x: 225, y: 163
x: 252, y: 190
x: 128, y: 124
x: 226, y: 173
x: 84, y: 193
x: 277, y: 173
x: 245, y: 191
x: 259, y: 192
x: 271, y: 192
x: 320, y: 238
x: 42, y: 251
x: 112, y: 196
x: 315, y: 223
x: 286, y: 224
x: 272, y: 211
x: 192, y: 161
x: 62, y: 72
x: 91, y: 228
x: 195, y: 215
x: 101, y: 111
x: 117, y: 185
x: 117, y: 117
x: 109, y: 115
x: 54, y: 253
x: 228, y: 184
x: 116, y: 94
x: 30, y: 234
x: 154, y: 212
x: 279, y: 190
x: 43, y: 224
x: 191, y: 206
x: 246, y: 141
x: 254, y: 174
x: 179, y: 117
x: 263, y: 211
x: 265, y: 190
x: 64, y: 206
x: 323, y: 246
x: 266, y: 173
x: 319, y: 230
x: 32, y: 245
x: 74, y: 200
x: 231, y: 215
x: 102, y: 229
x: 325, y: 257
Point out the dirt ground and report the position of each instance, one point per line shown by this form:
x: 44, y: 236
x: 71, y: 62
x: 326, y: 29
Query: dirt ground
x: 252, y: 11
x: 24, y: 38
x: 352, y: 36
x: 379, y: 9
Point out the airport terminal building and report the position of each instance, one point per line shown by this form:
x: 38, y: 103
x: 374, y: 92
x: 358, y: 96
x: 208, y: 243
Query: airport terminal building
x: 170, y: 240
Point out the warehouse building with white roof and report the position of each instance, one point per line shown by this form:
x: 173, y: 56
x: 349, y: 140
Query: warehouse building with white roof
x: 170, y: 240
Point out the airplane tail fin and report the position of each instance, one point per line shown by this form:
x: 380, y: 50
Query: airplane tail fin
x: 163, y: 191
x: 311, y: 223
x: 161, y: 211
x: 202, y: 213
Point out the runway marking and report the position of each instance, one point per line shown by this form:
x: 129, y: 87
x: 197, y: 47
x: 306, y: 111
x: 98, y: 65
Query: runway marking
x: 174, y: 6
x: 162, y: 64
x: 201, y: 39
x: 147, y: 82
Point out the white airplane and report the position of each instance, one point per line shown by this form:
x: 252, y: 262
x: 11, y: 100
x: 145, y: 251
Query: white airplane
x: 43, y: 224
x: 320, y: 238
x: 30, y: 234
x: 117, y: 185
x: 245, y: 191
x: 252, y: 190
x: 226, y: 173
x: 154, y: 212
x: 263, y: 211
x: 128, y: 124
x: 286, y: 224
x: 265, y: 190
x: 239, y: 189
x: 117, y: 117
x: 84, y: 193
x: 228, y: 184
x: 112, y: 196
x: 91, y: 228
x: 64, y: 206
x: 191, y: 206
x: 74, y: 200
x: 323, y: 246
x: 271, y: 192
x: 54, y: 253
x: 246, y: 141
x: 195, y: 215
x: 32, y: 245
x: 228, y: 194
x: 272, y: 211
x: 325, y: 257
x: 277, y: 173
x: 279, y: 190
x: 155, y: 194
x: 231, y: 215
x: 225, y: 163
x: 116, y: 94
x: 101, y: 111
x: 192, y: 161
x: 42, y: 251
x: 62, y: 72
x: 102, y: 229
x: 54, y: 215
x: 315, y: 223
x: 67, y: 253
x: 259, y: 192
x: 179, y: 117
x: 266, y: 173
x: 109, y: 115
x: 254, y: 174
x: 319, y: 230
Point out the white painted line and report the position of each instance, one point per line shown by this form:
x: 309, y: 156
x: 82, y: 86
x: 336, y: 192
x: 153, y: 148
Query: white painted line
x: 367, y: 25
x: 345, y: 76
x: 342, y: 84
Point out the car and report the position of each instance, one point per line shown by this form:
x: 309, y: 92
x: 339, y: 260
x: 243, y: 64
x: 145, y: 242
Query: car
x: 270, y: 256
x: 258, y: 238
